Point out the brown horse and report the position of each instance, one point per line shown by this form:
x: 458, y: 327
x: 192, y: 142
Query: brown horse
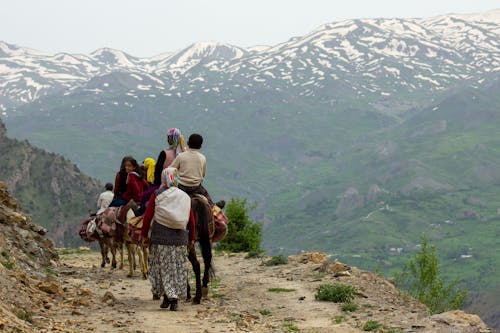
x: 204, y: 227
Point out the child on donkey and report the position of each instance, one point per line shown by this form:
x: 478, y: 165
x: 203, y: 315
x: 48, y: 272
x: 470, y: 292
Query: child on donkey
x: 105, y: 198
x: 192, y: 166
x: 135, y: 185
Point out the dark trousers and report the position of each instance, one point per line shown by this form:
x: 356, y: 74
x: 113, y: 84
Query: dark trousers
x: 190, y: 190
x: 118, y: 202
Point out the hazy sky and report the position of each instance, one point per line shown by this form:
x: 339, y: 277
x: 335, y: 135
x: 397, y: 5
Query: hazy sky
x: 150, y: 27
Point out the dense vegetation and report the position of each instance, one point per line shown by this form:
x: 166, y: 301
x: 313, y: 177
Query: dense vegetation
x: 244, y: 235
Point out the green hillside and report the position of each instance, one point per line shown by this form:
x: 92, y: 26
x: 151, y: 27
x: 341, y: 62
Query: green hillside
x: 54, y: 191
x: 344, y: 177
x: 437, y: 173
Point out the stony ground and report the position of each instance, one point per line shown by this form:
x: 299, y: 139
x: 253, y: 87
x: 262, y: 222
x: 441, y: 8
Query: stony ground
x: 80, y: 296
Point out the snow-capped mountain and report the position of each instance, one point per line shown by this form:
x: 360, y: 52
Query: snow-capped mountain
x: 373, y: 58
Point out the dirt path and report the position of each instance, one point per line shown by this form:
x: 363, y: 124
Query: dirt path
x: 242, y: 299
x: 239, y: 300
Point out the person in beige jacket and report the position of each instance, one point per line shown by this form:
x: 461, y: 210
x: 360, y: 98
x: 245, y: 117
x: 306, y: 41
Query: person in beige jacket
x: 192, y: 167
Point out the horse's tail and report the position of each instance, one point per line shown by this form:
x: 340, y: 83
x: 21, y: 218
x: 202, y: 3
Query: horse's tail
x: 204, y: 236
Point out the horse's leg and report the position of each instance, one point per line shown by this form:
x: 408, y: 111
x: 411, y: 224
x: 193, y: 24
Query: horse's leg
x: 105, y: 249
x: 102, y: 246
x: 131, y: 259
x: 112, y: 246
x: 142, y: 263
x: 135, y: 261
x: 206, y: 275
x: 197, y: 272
x: 121, y: 255
x: 145, y: 251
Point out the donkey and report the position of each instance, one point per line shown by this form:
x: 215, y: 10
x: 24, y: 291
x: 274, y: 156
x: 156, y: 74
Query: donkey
x: 115, y: 222
x: 93, y: 234
x: 204, y: 227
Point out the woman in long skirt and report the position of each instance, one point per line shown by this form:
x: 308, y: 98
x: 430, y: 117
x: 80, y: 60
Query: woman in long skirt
x: 169, y: 211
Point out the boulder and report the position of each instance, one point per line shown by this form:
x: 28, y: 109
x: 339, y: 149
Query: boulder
x: 50, y: 287
x: 459, y: 319
x: 338, y: 269
x: 309, y: 257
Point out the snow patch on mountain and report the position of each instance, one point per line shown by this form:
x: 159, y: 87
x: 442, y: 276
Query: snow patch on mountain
x: 369, y: 55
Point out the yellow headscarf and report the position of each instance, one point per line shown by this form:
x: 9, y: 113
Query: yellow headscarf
x: 150, y: 164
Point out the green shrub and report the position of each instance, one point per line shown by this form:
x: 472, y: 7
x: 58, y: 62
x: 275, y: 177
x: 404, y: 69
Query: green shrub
x: 372, y: 325
x: 265, y: 312
x: 7, y: 264
x: 280, y: 290
x: 25, y: 315
x: 244, y: 235
x: 349, y: 307
x: 255, y: 254
x: 339, y: 319
x: 290, y: 326
x: 394, y: 330
x: 50, y: 271
x: 80, y: 250
x: 420, y: 278
x: 337, y: 293
x: 275, y: 261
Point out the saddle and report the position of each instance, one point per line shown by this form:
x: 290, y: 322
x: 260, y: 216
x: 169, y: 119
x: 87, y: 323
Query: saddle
x: 134, y: 229
x: 84, y: 235
x: 112, y: 221
x: 218, y: 226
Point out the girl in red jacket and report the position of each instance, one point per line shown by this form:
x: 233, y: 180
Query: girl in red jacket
x: 135, y: 184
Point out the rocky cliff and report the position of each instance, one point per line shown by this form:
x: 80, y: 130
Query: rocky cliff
x: 50, y: 188
x: 26, y: 256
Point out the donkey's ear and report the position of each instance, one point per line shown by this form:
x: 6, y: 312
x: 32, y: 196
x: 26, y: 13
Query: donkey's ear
x: 221, y: 204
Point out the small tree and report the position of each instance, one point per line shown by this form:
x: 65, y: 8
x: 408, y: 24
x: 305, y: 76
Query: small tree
x: 420, y: 278
x: 244, y: 235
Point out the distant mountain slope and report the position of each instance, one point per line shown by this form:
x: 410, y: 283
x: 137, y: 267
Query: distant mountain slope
x: 48, y: 187
x: 437, y: 173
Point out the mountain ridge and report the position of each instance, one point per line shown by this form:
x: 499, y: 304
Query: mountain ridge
x: 443, y: 43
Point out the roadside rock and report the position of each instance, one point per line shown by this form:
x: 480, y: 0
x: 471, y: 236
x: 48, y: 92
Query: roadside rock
x: 309, y: 257
x: 459, y: 318
x: 50, y: 287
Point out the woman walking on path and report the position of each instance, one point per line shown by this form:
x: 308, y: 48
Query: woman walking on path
x: 168, y: 213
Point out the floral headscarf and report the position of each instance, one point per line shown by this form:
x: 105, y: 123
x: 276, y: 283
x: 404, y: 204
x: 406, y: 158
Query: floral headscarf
x: 175, y: 140
x: 170, y: 177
